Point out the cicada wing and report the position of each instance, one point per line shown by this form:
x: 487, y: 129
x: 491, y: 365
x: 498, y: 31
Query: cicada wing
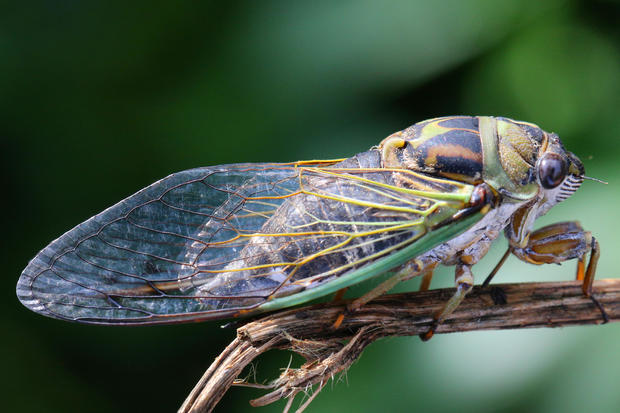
x: 137, y: 259
x: 210, y: 242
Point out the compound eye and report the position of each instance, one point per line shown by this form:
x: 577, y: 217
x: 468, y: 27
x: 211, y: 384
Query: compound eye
x: 552, y: 170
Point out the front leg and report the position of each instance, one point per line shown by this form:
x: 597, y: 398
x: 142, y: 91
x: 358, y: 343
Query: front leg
x: 555, y: 244
x: 561, y: 242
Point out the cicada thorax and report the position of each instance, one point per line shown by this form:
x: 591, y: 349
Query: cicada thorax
x: 456, y: 148
x: 519, y: 145
x: 448, y: 147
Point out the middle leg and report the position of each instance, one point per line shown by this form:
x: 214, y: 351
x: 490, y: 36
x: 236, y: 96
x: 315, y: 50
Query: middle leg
x: 464, y: 281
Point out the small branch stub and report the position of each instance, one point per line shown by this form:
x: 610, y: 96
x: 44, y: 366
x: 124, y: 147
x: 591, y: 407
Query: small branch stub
x: 309, y: 331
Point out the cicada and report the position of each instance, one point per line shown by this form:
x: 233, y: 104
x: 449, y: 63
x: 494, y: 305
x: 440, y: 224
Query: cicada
x: 235, y: 240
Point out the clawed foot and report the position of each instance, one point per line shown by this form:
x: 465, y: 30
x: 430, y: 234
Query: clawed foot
x: 601, y: 309
x: 498, y: 295
x: 430, y: 333
x: 341, y: 316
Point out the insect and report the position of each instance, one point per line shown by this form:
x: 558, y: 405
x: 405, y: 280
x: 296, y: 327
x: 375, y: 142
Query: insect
x: 233, y: 240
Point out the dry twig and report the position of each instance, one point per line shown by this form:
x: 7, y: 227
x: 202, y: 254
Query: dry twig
x: 309, y: 331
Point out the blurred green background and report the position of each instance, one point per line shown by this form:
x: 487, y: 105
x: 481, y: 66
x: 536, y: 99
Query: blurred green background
x: 99, y: 99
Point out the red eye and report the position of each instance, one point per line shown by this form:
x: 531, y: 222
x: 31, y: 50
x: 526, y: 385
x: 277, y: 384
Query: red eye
x: 551, y: 170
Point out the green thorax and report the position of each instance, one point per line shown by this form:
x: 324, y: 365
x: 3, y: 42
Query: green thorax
x: 508, y: 157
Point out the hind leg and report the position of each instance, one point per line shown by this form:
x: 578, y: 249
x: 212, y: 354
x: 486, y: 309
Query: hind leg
x: 409, y: 270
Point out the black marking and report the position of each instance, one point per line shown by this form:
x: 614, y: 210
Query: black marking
x: 456, y: 152
x: 461, y: 166
x: 455, y: 137
x: 460, y: 122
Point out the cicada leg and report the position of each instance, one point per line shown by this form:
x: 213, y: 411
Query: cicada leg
x: 407, y: 271
x: 339, y: 295
x: 588, y: 278
x: 464, y: 280
x: 427, y: 276
x: 561, y: 242
x: 427, y: 271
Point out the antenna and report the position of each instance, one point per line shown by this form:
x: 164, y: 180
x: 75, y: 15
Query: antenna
x: 594, y: 179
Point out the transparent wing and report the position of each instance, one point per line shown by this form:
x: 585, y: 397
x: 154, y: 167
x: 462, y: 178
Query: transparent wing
x: 219, y: 241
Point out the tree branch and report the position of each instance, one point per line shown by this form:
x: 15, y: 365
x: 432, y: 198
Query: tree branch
x: 309, y: 331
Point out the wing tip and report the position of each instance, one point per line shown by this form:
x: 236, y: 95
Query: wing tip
x: 26, y: 296
x: 24, y: 289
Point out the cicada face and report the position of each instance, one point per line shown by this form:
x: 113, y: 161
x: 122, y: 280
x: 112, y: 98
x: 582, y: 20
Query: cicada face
x: 559, y: 174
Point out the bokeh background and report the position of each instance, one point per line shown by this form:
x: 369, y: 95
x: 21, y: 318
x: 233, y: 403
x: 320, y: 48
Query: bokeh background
x: 99, y: 99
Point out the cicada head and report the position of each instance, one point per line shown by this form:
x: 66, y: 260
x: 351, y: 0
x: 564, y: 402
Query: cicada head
x: 536, y: 163
x: 532, y: 168
x: 559, y: 173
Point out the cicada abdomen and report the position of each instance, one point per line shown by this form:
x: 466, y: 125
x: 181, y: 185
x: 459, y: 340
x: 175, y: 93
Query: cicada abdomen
x: 339, y: 219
